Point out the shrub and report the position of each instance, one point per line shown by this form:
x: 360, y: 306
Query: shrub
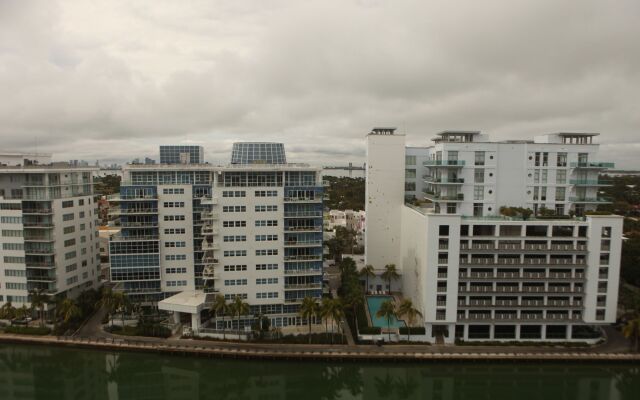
x: 369, y: 330
x: 28, y: 330
x: 415, y: 330
x: 597, y: 213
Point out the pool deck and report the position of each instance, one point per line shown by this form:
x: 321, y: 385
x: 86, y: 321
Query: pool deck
x: 388, y: 353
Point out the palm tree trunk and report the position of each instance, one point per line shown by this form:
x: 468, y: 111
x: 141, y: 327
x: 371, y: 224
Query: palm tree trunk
x: 309, y: 323
x: 389, y: 328
x: 331, y: 330
x: 224, y: 325
x: 408, y: 333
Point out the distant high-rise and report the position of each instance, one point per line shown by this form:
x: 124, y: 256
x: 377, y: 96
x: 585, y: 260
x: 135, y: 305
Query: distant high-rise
x: 258, y: 153
x: 181, y: 155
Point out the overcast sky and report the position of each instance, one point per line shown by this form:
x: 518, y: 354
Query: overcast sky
x: 111, y: 80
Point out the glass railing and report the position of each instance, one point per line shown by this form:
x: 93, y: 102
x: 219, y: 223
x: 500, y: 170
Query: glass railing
x: 592, y: 164
x: 590, y: 182
x: 443, y: 163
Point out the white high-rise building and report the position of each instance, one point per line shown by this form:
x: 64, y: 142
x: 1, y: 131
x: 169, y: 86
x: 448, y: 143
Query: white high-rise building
x: 251, y: 229
x: 480, y: 272
x: 48, y: 238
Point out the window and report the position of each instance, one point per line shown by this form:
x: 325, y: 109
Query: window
x: 543, y: 193
x: 267, y: 295
x: 562, y: 160
x: 81, y: 214
x: 69, y: 242
x: 68, y: 217
x: 604, y: 259
x: 12, y: 246
x: 82, y: 227
x: 536, y: 193
x: 560, y: 193
x: 267, y: 252
x: 175, y: 244
x: 477, y: 209
x: 175, y: 257
x: 234, y: 295
x: 67, y: 204
x: 68, y: 229
x: 234, y: 238
x: 478, y: 175
x: 606, y: 231
x: 16, y: 286
x: 174, y: 231
x: 269, y: 208
x: 268, y: 222
x: 176, y: 283
x: 266, y: 193
x: 537, y: 159
x: 234, y: 224
x: 443, y: 230
x: 234, y: 193
x: 409, y: 186
x: 174, y: 204
x: 176, y: 270
x: 544, y: 176
x: 266, y: 281
x: 81, y: 202
x: 478, y: 192
x: 11, y: 220
x: 71, y: 267
x: 451, y: 208
x: 234, y: 208
x: 545, y: 159
x: 235, y: 253
x: 266, y: 238
x: 174, y: 217
x: 410, y: 160
x: 536, y: 176
x: 265, y: 267
x: 479, y: 158
x: 232, y: 268
x: 410, y: 173
x: 235, y: 282
x: 173, y: 191
x: 561, y: 176
x: 559, y: 209
x: 14, y: 272
x: 13, y: 260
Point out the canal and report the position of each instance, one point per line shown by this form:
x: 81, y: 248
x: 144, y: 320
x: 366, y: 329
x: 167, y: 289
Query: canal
x: 63, y: 373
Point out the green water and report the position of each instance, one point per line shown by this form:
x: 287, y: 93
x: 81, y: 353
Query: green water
x: 60, y: 373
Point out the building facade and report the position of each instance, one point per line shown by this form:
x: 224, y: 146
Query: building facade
x: 178, y: 154
x: 49, y: 239
x: 477, y: 274
x: 248, y: 230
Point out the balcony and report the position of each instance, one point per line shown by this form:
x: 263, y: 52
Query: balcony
x: 136, y: 224
x: 37, y: 211
x: 444, y: 163
x: 443, y: 180
x: 133, y: 211
x: 308, y: 243
x: 303, y: 271
x: 127, y: 238
x: 132, y: 197
x: 591, y: 200
x: 317, y: 257
x: 208, y: 215
x: 303, y: 228
x: 206, y: 246
x: 208, y: 230
x: 209, y: 200
x: 592, y: 165
x: 303, y: 214
x: 300, y: 286
x: 443, y: 197
x: 303, y: 200
x: 591, y: 182
x: 37, y: 264
x: 37, y: 225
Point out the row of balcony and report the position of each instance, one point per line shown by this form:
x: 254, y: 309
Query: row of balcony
x: 299, y: 286
x: 303, y: 271
x: 312, y: 257
x: 302, y: 214
x: 527, y: 247
x: 515, y: 317
x: 461, y: 163
x: 510, y: 289
x: 523, y: 303
x: 306, y: 243
x: 518, y: 262
x: 429, y: 195
x: 525, y: 275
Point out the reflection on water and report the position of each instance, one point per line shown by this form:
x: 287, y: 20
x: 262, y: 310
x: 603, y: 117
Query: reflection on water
x: 56, y: 373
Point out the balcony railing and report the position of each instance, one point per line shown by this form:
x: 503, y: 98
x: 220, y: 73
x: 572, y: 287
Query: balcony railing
x: 444, y: 197
x: 303, y: 271
x: 298, y: 286
x: 308, y: 243
x: 591, y: 182
x: 599, y: 200
x: 593, y: 164
x: 303, y: 214
x: 444, y: 163
x: 443, y: 180
x: 303, y: 199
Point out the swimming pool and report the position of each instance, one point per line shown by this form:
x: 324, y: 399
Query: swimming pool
x: 374, y: 302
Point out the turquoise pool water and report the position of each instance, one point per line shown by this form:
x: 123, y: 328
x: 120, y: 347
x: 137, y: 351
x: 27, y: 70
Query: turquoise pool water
x: 374, y: 302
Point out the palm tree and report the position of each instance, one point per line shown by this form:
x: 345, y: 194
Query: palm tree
x: 337, y: 313
x: 632, y: 331
x: 38, y: 301
x: 68, y: 310
x: 353, y: 299
x: 22, y: 312
x: 108, y: 300
x: 408, y: 311
x: 367, y: 272
x: 122, y: 303
x: 239, y: 308
x: 387, y: 310
x: 325, y: 314
x: 390, y: 273
x: 308, y: 309
x: 220, y: 307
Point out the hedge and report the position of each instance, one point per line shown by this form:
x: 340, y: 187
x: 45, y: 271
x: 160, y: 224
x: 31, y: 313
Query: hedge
x: 369, y: 330
x: 415, y: 330
x: 28, y: 330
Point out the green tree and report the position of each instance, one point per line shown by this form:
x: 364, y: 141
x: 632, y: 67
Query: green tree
x: 390, y: 273
x: 325, y: 313
x: 38, y: 301
x: 308, y: 309
x: 220, y: 307
x: 22, y: 312
x: 239, y: 308
x: 632, y: 331
x: 410, y: 313
x: 122, y: 304
x: 336, y: 313
x: 387, y: 310
x: 109, y: 301
x: 8, y: 311
x: 367, y: 272
x: 68, y: 310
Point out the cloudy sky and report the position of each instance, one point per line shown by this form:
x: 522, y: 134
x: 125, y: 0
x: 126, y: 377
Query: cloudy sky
x: 111, y: 80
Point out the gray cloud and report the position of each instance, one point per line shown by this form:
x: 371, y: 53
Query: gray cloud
x: 111, y: 80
